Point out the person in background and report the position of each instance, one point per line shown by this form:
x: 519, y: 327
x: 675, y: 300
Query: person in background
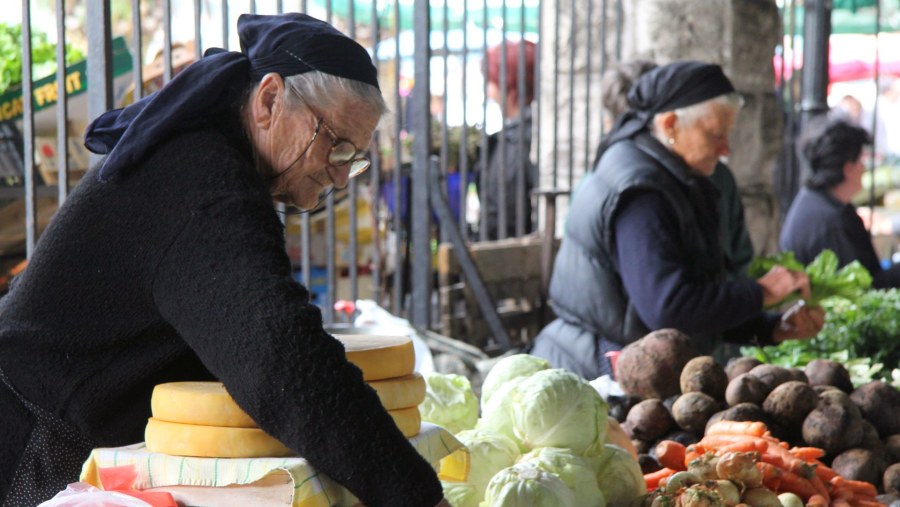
x: 642, y: 250
x: 168, y: 263
x: 736, y: 244
x: 510, y: 175
x: 822, y: 214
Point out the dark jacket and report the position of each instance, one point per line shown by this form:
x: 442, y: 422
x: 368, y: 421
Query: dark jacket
x: 736, y: 243
x: 178, y: 271
x: 641, y: 252
x: 816, y: 220
x: 511, y: 171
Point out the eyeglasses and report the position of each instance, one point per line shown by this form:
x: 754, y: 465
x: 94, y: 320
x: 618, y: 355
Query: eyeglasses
x: 343, y: 151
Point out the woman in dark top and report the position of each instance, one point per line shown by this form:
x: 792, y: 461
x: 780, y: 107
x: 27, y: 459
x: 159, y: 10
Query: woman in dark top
x: 821, y: 215
x: 167, y: 263
x: 642, y: 250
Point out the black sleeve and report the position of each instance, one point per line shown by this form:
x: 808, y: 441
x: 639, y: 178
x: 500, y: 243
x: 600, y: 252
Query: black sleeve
x: 225, y: 285
x: 654, y: 275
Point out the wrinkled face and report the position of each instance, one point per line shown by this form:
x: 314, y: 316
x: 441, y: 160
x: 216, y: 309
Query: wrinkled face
x: 702, y: 143
x: 295, y: 146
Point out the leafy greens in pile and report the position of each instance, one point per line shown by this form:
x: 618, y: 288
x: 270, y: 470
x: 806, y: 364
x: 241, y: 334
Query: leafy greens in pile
x: 825, y: 279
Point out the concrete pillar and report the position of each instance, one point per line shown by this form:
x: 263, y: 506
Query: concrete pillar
x: 740, y: 35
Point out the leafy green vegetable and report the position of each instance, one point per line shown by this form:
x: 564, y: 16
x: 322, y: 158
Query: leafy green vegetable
x: 527, y: 486
x: 489, y: 453
x: 43, y: 55
x: 449, y: 402
x: 575, y: 471
x: 862, y: 335
x: 825, y: 279
x: 517, y: 365
x: 619, y: 476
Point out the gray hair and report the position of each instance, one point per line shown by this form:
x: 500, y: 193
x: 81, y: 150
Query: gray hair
x: 327, y: 91
x: 690, y: 114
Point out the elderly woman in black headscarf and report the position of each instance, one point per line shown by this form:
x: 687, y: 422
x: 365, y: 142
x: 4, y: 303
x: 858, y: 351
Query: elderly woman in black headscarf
x: 168, y: 263
x: 641, y: 249
x: 822, y: 214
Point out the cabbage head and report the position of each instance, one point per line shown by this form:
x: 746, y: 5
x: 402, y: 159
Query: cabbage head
x: 575, y: 471
x: 619, y: 476
x: 489, y: 453
x: 510, y: 367
x: 496, y: 416
x: 461, y: 494
x: 557, y: 408
x: 527, y: 486
x: 449, y: 402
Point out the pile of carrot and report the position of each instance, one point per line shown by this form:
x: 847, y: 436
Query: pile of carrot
x: 796, y: 470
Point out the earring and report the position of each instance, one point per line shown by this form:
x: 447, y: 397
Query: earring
x: 671, y: 141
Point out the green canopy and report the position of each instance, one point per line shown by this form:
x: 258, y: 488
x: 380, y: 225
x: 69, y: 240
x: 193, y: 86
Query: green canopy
x: 851, y: 16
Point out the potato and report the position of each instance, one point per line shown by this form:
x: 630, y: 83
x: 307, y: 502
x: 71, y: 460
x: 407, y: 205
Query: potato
x: 891, y: 479
x: 824, y: 372
x: 859, y: 465
x: 870, y: 438
x: 790, y: 403
x: 833, y: 428
x: 740, y: 365
x: 880, y: 405
x: 798, y: 375
x: 838, y: 398
x: 745, y: 388
x: 770, y: 375
x: 703, y: 374
x: 651, y: 367
x: 692, y: 410
x: 649, y: 420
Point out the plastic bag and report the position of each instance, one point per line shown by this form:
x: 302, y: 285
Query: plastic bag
x: 81, y: 494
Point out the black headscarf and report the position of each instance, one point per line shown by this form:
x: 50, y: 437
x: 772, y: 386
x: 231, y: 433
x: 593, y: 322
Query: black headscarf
x: 288, y: 44
x: 666, y: 88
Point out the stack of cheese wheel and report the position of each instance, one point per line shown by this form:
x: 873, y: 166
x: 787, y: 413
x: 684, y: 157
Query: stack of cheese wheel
x: 201, y: 419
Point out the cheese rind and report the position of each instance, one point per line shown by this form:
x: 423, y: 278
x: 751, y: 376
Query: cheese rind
x: 408, y: 420
x: 211, y: 441
x: 400, y: 392
x: 199, y: 403
x: 380, y: 357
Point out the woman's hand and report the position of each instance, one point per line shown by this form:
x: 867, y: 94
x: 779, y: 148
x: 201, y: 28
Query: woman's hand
x: 802, y: 323
x: 780, y: 282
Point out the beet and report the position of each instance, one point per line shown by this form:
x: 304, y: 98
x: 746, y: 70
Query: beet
x: 692, y: 410
x: 703, y: 374
x: 790, y: 403
x: 880, y: 405
x: 740, y: 365
x: 746, y: 388
x: 824, y: 372
x: 649, y: 420
x: 651, y: 367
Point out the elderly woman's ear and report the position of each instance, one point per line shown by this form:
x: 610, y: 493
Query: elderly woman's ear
x: 265, y: 99
x: 665, y: 124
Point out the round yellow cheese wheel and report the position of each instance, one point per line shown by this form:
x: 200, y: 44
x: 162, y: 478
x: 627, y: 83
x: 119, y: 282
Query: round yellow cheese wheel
x: 400, y: 392
x: 211, y: 441
x: 380, y: 357
x: 203, y: 403
x: 408, y: 420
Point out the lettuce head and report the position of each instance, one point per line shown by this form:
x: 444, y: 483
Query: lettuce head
x: 575, y: 471
x: 619, y: 476
x: 489, y: 453
x: 510, y: 367
x: 527, y: 486
x: 449, y: 402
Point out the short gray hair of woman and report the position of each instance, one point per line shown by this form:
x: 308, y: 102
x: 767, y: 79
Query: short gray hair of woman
x: 326, y: 91
x: 690, y: 114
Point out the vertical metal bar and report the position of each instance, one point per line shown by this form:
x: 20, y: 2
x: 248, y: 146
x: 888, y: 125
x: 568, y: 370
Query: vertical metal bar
x: 303, y: 6
x: 789, y: 177
x: 814, y: 82
x: 375, y: 174
x: 330, y: 239
x: 99, y: 62
x: 279, y: 6
x: 167, y: 41
x: 620, y: 22
x: 399, y: 230
x: 28, y: 132
x: 536, y: 117
x: 198, y: 38
x: 445, y: 131
x: 464, y: 137
x: 872, y: 198
x: 521, y: 90
x: 252, y: 6
x: 421, y: 222
x: 571, y: 122
x: 62, y: 102
x: 225, y: 24
x: 354, y: 192
x: 589, y: 28
x: 483, y: 163
x: 603, y: 21
x: 556, y: 96
x: 501, y: 145
x: 137, y: 62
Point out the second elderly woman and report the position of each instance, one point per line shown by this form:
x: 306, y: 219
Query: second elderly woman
x: 641, y: 249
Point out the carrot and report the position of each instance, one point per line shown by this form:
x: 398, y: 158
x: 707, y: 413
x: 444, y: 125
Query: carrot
x: 840, y: 503
x: 771, y: 475
x: 865, y: 502
x: 807, y: 453
x: 750, y: 428
x: 652, y: 479
x: 818, y: 484
x: 817, y: 501
x: 755, y: 445
x: 793, y: 483
x: 824, y: 472
x: 842, y: 493
x: 670, y: 454
x: 861, y: 488
x: 693, y: 452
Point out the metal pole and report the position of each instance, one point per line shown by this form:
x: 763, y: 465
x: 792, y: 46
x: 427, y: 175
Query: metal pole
x: 399, y: 207
x: 28, y: 133
x: 354, y: 193
x: 137, y: 62
x: 814, y: 83
x: 99, y: 61
x: 374, y: 190
x: 421, y: 221
x: 62, y: 127
x: 167, y: 41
